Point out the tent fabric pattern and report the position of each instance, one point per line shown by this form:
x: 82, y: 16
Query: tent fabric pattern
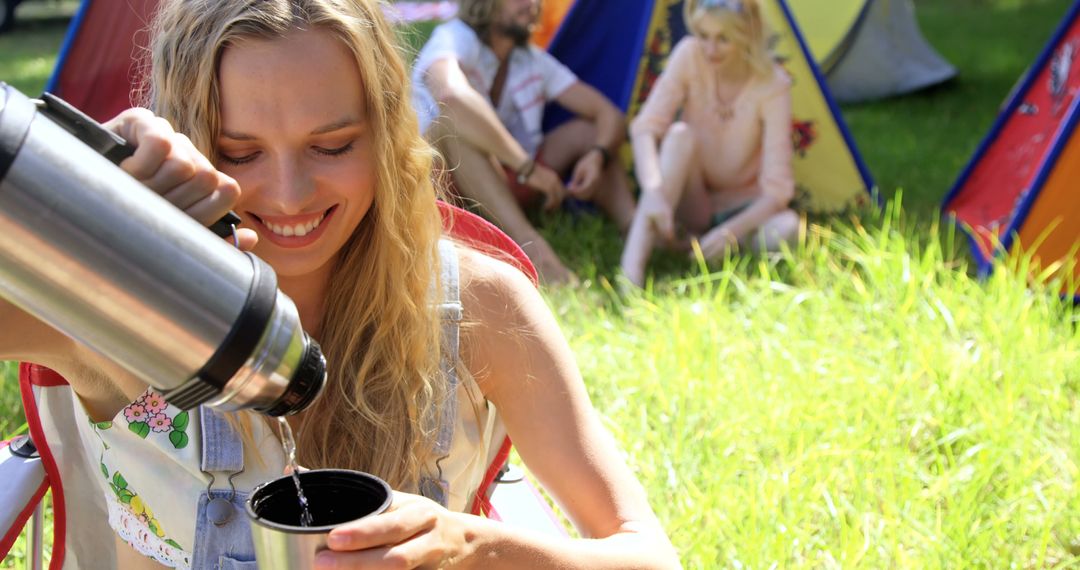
x: 624, y: 57
x: 1018, y: 191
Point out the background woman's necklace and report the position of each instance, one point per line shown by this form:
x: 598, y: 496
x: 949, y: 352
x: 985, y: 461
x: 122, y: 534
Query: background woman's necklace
x: 725, y: 102
x: 725, y: 106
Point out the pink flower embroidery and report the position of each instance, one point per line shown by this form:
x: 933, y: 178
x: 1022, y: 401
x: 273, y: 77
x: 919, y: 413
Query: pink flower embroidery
x: 160, y: 423
x: 135, y: 413
x: 154, y: 403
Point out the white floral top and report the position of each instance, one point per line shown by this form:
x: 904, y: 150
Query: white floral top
x: 150, y: 458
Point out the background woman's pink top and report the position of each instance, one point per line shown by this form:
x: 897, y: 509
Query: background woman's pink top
x: 743, y: 157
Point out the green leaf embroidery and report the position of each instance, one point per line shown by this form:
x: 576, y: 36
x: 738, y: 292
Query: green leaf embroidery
x: 125, y: 496
x: 115, y: 489
x: 153, y: 526
x: 119, y: 480
x: 179, y: 423
x: 141, y: 429
x: 179, y: 439
x: 173, y: 544
x: 103, y: 425
x: 105, y: 470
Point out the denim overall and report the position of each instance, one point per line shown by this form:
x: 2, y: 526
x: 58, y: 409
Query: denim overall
x: 222, y: 531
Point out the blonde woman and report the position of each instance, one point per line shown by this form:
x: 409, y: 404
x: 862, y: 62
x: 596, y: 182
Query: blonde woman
x: 712, y: 144
x: 304, y: 105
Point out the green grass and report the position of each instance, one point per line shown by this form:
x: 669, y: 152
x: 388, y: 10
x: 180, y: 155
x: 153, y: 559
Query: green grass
x: 863, y: 402
x: 28, y: 53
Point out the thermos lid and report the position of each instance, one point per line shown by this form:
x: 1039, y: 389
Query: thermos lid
x: 305, y: 385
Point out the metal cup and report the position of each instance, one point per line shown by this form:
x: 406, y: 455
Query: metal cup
x: 335, y: 497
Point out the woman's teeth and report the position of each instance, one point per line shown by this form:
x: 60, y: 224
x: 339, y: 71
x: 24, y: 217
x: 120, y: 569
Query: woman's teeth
x: 296, y: 229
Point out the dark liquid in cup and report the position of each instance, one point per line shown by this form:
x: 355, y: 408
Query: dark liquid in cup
x: 335, y: 497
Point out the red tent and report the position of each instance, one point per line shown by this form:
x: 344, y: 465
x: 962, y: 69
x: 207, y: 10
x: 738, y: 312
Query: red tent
x: 98, y: 63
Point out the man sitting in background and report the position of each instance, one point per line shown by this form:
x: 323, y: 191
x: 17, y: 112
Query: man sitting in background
x: 480, y: 91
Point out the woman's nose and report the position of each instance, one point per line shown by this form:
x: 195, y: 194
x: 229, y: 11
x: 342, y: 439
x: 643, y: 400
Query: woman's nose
x: 292, y: 186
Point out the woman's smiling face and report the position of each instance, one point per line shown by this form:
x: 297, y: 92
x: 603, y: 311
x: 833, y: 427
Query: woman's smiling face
x: 295, y: 135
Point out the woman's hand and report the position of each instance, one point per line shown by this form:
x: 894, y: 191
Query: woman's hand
x: 656, y: 209
x: 169, y: 164
x: 718, y: 241
x: 415, y: 533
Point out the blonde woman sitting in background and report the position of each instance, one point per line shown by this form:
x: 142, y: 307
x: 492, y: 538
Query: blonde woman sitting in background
x: 722, y: 170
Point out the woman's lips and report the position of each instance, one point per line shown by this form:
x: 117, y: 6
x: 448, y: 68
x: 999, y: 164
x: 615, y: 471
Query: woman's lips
x: 294, y: 231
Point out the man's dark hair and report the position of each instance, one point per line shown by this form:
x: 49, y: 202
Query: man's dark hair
x: 479, y: 15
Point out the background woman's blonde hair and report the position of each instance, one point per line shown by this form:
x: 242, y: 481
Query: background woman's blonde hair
x: 380, y: 333
x: 743, y: 24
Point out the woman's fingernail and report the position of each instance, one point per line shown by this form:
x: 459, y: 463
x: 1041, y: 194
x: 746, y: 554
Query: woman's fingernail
x: 336, y: 541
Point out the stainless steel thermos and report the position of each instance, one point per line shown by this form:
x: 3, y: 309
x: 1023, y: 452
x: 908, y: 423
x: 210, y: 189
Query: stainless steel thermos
x: 91, y: 251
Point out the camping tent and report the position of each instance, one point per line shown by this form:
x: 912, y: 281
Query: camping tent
x: 98, y: 63
x: 870, y: 49
x: 1019, y: 190
x: 623, y: 59
x: 866, y: 49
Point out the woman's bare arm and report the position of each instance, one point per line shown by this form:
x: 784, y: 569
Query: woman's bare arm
x: 525, y: 367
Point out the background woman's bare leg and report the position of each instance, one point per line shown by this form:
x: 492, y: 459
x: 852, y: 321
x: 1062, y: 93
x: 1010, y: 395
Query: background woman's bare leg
x: 677, y: 160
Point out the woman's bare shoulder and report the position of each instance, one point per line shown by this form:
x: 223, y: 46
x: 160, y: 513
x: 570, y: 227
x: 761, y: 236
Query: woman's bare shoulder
x: 779, y: 79
x: 684, y: 52
x: 766, y: 87
x: 492, y: 287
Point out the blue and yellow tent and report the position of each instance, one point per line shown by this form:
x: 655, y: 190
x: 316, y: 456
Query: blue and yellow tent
x: 624, y: 56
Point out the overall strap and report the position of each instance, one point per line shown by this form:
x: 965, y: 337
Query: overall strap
x: 435, y: 487
x: 222, y: 532
x: 222, y: 449
x: 450, y: 313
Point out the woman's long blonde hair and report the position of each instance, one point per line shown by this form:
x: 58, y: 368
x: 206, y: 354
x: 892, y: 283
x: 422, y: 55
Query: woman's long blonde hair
x: 380, y: 332
x: 743, y: 22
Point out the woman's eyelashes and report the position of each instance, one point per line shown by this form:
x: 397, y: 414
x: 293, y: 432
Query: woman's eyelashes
x: 344, y: 149
x: 324, y: 151
x: 237, y: 160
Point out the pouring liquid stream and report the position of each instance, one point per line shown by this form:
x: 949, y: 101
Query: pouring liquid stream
x: 288, y: 443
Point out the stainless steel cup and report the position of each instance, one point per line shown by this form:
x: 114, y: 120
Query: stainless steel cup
x: 335, y: 497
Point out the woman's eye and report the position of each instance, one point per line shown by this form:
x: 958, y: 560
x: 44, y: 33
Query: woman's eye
x: 337, y: 151
x: 239, y: 159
